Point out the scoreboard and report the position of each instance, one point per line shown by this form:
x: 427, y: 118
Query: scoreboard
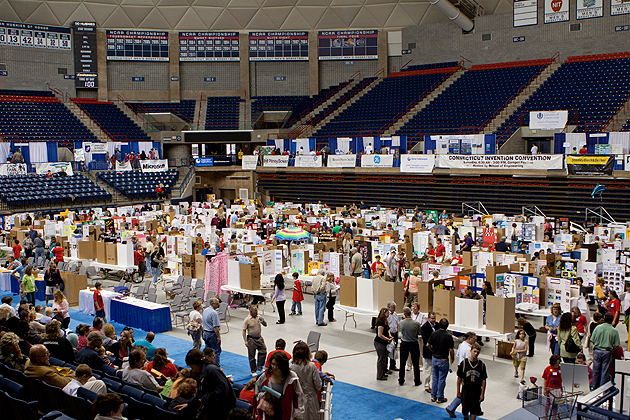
x: 280, y: 46
x: 348, y: 45
x: 209, y: 46
x: 35, y: 36
x: 137, y: 45
x: 85, y: 63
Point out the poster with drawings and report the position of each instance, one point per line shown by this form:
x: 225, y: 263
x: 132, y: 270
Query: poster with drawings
x: 558, y: 290
x: 531, y: 290
x: 614, y: 275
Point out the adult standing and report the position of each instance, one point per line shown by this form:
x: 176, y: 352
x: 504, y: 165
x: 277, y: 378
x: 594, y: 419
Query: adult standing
x: 381, y: 341
x: 319, y: 293
x: 419, y: 317
x: 442, y: 346
x: 471, y: 383
x: 427, y: 329
x: 211, y: 329
x: 394, y: 322
x: 309, y: 379
x: 252, y: 335
x: 568, y: 332
x: 356, y: 263
x: 468, y: 242
x: 158, y: 252
x: 347, y: 247
x: 409, y: 332
x: 279, y: 296
x: 392, y: 265
x: 148, y: 250
x: 463, y: 353
x: 283, y: 380
x: 412, y: 286
x: 440, y: 250
x: 604, y: 338
x: 196, y: 319
x: 551, y: 324
x: 613, y: 306
x: 331, y: 296
x: 531, y: 334
x: 52, y: 277
x: 39, y: 244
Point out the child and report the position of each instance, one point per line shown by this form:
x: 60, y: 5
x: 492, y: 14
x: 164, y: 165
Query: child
x: 321, y: 357
x: 553, y: 383
x: 298, y: 296
x: 471, y: 383
x: 581, y: 360
x: 99, y: 308
x: 247, y: 393
x: 28, y: 285
x: 519, y: 354
x: 138, y: 259
x: 17, y: 249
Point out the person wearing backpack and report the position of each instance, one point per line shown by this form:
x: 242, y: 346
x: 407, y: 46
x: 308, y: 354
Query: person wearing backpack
x: 568, y: 338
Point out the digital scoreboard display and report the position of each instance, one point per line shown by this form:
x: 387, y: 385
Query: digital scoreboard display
x: 35, y: 36
x: 278, y: 46
x: 209, y: 46
x: 85, y: 63
x: 137, y: 45
x: 348, y: 45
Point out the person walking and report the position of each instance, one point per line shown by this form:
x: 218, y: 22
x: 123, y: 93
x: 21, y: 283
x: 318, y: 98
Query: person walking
x: 196, y: 324
x: 568, y: 338
x: 356, y: 263
x: 519, y: 354
x: 471, y: 383
x: 331, y: 296
x: 442, y: 346
x: 409, y: 332
x: 212, y: 329
x: 463, y: 353
x: 604, y: 338
x: 319, y: 293
x: 393, y: 321
x: 279, y: 296
x: 551, y: 324
x: 298, y: 295
x: 427, y: 329
x: 381, y: 341
x: 252, y: 334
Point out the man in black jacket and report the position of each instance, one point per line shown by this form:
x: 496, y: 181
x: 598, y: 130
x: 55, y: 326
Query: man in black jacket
x: 427, y: 329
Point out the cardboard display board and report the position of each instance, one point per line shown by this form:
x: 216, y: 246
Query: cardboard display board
x: 444, y: 304
x: 390, y: 291
x: 200, y: 266
x: 425, y: 296
x: 469, y: 313
x: 73, y: 283
x: 101, y: 252
x: 367, y: 294
x: 348, y: 291
x: 500, y: 314
x: 87, y: 249
x: 112, y: 253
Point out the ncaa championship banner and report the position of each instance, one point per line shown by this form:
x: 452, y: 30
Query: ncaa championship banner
x: 590, y: 164
x: 500, y: 162
x: 377, y: 161
x: 308, y: 161
x: 249, y: 163
x: 154, y: 165
x: 548, y: 120
x: 271, y: 161
x: 419, y: 164
x: 342, y: 161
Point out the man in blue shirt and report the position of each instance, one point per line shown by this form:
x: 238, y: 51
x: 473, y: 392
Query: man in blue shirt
x: 211, y: 327
x: 205, y: 249
x: 148, y: 343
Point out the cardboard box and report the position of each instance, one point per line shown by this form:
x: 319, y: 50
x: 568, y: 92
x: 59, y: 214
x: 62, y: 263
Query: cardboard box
x: 467, y: 258
x: 200, y: 266
x: 112, y: 253
x: 250, y: 276
x: 390, y: 291
x: 87, y: 249
x: 425, y: 296
x: 503, y: 349
x: 101, y: 252
x: 492, y: 271
x: 73, y: 283
x: 444, y: 304
x: 367, y: 294
x: 469, y: 313
x: 188, y: 271
x: 500, y: 314
x: 348, y: 291
x: 408, y: 249
x: 67, y: 249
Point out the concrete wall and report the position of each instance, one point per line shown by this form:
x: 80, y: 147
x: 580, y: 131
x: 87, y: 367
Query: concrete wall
x: 262, y: 73
x: 333, y: 72
x: 446, y: 42
x: 121, y: 73
x: 191, y: 75
x: 225, y: 179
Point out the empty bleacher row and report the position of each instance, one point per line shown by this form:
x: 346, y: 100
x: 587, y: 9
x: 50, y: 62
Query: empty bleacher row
x: 111, y: 119
x: 38, y: 190
x: 428, y: 66
x: 136, y: 184
x: 184, y: 109
x: 222, y: 113
x: 310, y: 103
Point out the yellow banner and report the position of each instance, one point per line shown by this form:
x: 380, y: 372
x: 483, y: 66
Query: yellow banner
x: 587, y: 160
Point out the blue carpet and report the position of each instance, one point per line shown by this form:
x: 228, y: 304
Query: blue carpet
x: 349, y: 401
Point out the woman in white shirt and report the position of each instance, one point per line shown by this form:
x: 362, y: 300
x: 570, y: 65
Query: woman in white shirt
x: 195, y: 320
x: 418, y: 316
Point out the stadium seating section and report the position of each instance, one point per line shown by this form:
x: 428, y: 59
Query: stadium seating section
x: 183, y: 109
x: 136, y: 184
x: 591, y: 88
x: 222, y: 113
x: 274, y: 103
x: 112, y: 120
x: 35, y: 115
x: 430, y: 66
x: 37, y: 190
x: 310, y: 103
x: 473, y: 99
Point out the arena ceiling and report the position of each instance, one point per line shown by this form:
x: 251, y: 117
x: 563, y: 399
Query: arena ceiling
x: 242, y: 15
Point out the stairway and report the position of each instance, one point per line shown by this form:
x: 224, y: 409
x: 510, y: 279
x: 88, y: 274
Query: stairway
x: 620, y: 118
x: 200, y: 109
x: 311, y: 130
x: 422, y: 104
x: 117, y: 197
x: 137, y: 119
x: 178, y: 192
x: 325, y: 104
x: 87, y: 121
x: 505, y: 113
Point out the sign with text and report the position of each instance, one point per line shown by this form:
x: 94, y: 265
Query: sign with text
x: 54, y: 167
x: 342, y: 161
x: 278, y: 46
x: 500, y: 162
x: 419, y: 164
x: 525, y: 12
x: 308, y: 161
x: 556, y: 11
x: 587, y: 9
x: 35, y: 36
x: 95, y: 148
x: 619, y: 7
x: 348, y: 45
x: 249, y: 163
x: 548, y: 120
x: 377, y: 161
x: 85, y: 53
x: 13, y: 169
x: 272, y: 161
x: 209, y: 46
x: 590, y: 165
x: 155, y: 165
x: 137, y: 45
x: 123, y: 166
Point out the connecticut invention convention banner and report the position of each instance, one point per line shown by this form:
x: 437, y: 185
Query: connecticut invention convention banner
x: 500, y: 162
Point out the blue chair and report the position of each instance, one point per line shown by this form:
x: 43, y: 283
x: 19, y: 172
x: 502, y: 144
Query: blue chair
x: 112, y: 385
x: 133, y: 392
x: 12, y: 388
x: 86, y: 394
x: 243, y: 404
x: 154, y: 401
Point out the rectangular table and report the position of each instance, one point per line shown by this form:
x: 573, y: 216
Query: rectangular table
x: 86, y: 301
x: 137, y: 313
x: 11, y: 284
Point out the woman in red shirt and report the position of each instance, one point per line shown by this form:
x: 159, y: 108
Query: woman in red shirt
x: 613, y: 306
x: 579, y: 321
x: 247, y: 393
x: 161, y: 364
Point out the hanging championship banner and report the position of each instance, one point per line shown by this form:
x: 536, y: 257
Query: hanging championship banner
x: 272, y: 161
x: 13, y: 169
x: 587, y: 9
x: 500, y: 162
x: 548, y: 120
x: 342, y: 161
x: 123, y: 166
x: 54, y: 167
x: 420, y: 164
x: 619, y: 7
x: 590, y: 165
x: 556, y: 11
x: 308, y: 161
x: 249, y: 163
x: 155, y: 165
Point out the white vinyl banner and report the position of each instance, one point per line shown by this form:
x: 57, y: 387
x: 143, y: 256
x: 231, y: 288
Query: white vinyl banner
x: 587, y: 9
x: 500, y: 162
x: 123, y: 166
x: 154, y: 165
x: 556, y: 11
x: 420, y: 164
x: 54, y: 167
x: 377, y: 161
x: 619, y: 7
x: 271, y: 161
x: 342, y: 161
x: 95, y: 147
x: 249, y: 163
x: 308, y: 161
x: 548, y: 120
x: 13, y: 169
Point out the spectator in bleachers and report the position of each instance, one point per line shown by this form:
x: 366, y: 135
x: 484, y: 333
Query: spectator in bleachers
x: 84, y: 378
x: 160, y: 366
x: 186, y: 392
x: 110, y: 336
x: 280, y: 375
x: 60, y: 308
x: 58, y: 346
x: 10, y: 353
x: 109, y: 407
x: 82, y: 332
x: 136, y: 375
x: 310, y: 380
x: 148, y: 343
x: 38, y: 366
x: 90, y: 353
x: 7, y: 301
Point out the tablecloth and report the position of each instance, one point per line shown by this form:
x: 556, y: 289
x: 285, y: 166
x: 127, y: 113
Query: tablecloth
x: 141, y: 314
x: 86, y: 301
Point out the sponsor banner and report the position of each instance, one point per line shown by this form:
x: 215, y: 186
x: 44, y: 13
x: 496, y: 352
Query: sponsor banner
x: 123, y: 166
x: 420, y: 164
x: 500, y: 162
x: 249, y: 163
x: 342, y: 161
x: 619, y: 7
x: 272, y: 161
x: 308, y: 161
x: 556, y: 11
x: 627, y: 165
x: 590, y: 164
x: 204, y: 161
x: 99, y: 148
x: 347, y: 45
x: 548, y: 120
x: 377, y: 161
x: 13, y: 169
x: 54, y: 167
x: 155, y: 165
x: 587, y: 9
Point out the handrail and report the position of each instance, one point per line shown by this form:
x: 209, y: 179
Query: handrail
x: 574, y: 119
x: 93, y: 121
x: 555, y: 56
x: 380, y: 73
x: 464, y: 59
x: 405, y: 65
x: 199, y: 113
x: 185, y: 181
